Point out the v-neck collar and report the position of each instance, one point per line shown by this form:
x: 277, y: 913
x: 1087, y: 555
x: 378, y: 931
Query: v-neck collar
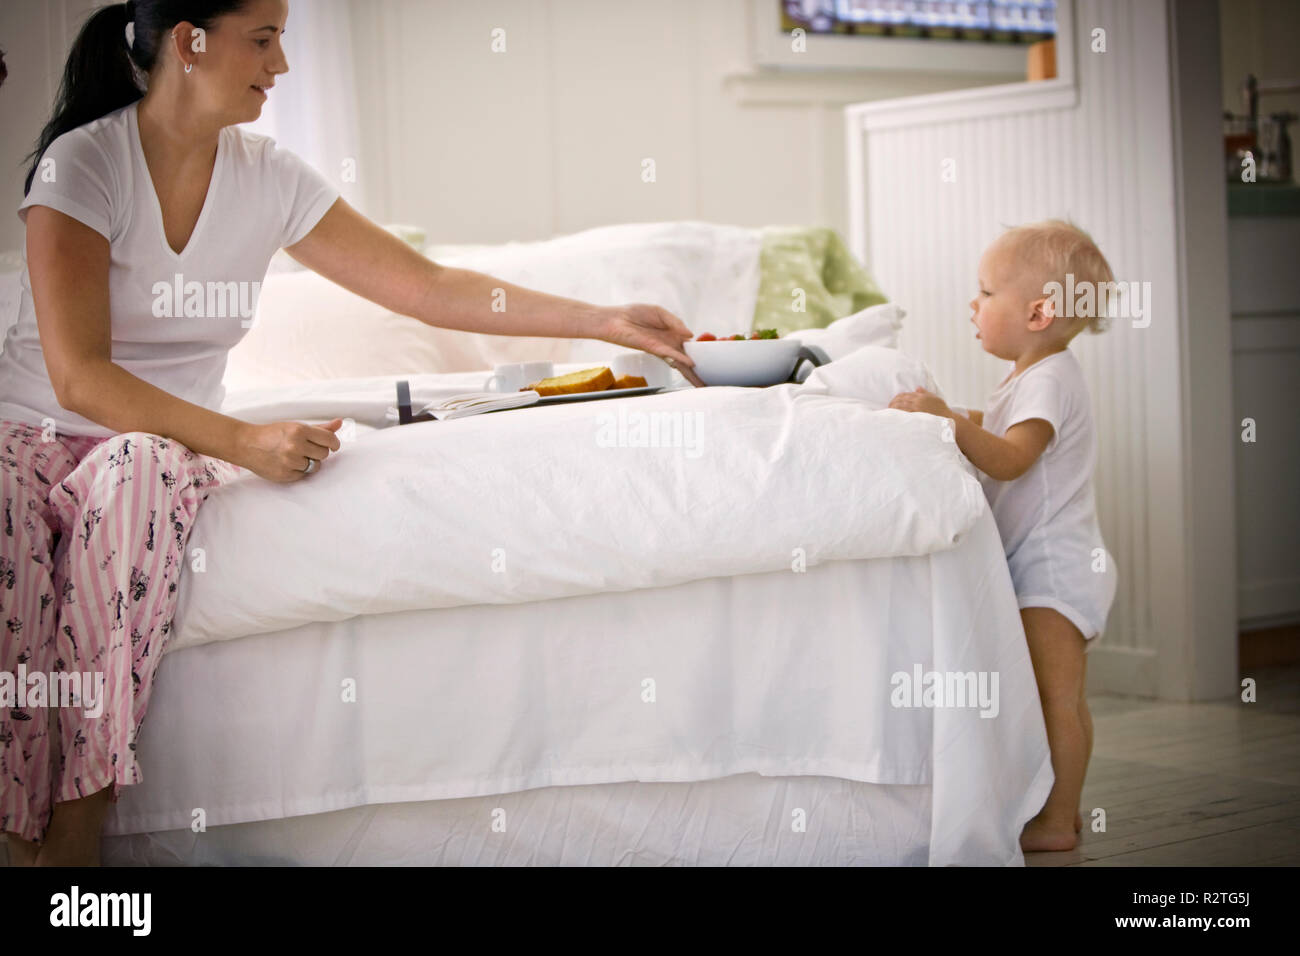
x: 134, y: 122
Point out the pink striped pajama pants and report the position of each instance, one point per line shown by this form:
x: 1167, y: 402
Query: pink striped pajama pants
x: 91, y: 546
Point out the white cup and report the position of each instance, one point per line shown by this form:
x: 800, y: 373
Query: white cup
x: 654, y: 370
x: 511, y: 378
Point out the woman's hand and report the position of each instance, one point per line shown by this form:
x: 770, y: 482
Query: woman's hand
x: 650, y: 329
x: 280, y: 451
x: 922, y: 401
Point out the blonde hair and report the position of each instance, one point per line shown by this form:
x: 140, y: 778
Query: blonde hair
x: 1055, y: 248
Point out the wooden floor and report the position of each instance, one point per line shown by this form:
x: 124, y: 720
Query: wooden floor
x: 1189, y: 784
x: 1194, y: 784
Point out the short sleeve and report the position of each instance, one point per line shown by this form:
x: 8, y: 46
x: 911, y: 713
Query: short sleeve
x: 74, y: 177
x: 1038, y: 395
x: 305, y: 194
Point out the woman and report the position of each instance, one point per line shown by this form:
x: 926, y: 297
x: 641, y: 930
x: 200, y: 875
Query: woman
x: 109, y: 383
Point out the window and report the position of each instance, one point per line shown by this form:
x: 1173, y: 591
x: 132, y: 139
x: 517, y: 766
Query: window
x: 934, y: 36
x: 980, y: 21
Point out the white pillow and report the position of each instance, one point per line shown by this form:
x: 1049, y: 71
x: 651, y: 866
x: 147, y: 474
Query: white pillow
x: 308, y: 328
x: 877, y: 325
x: 705, y: 274
x: 872, y: 373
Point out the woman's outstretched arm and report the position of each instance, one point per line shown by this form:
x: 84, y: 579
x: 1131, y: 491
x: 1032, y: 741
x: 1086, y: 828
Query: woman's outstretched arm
x: 365, y: 258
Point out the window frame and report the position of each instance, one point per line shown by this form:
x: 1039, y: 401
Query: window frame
x: 771, y: 49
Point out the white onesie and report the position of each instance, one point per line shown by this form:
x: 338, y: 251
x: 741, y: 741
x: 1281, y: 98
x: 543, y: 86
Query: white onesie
x: 1048, y: 517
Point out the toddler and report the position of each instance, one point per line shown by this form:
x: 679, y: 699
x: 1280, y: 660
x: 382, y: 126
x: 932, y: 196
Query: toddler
x: 1035, y: 448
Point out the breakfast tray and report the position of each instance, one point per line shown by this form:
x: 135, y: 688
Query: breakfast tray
x: 406, y: 414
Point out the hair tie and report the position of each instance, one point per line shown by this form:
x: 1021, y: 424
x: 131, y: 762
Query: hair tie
x: 130, y: 35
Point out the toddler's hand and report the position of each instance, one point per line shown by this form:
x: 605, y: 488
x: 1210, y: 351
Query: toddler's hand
x: 922, y: 401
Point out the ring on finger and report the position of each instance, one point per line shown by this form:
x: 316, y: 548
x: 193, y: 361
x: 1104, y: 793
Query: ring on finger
x: 311, y: 466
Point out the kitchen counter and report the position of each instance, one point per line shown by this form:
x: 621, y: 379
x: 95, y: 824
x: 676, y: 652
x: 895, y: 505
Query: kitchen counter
x: 1263, y: 199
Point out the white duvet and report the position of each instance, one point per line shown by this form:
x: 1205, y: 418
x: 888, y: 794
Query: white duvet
x: 556, y: 501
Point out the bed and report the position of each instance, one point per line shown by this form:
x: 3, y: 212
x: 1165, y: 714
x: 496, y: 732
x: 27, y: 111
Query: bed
x: 502, y: 641
x: 517, y: 734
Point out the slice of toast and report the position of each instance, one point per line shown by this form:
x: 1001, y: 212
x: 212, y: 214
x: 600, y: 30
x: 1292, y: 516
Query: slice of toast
x: 629, y: 381
x: 588, y: 380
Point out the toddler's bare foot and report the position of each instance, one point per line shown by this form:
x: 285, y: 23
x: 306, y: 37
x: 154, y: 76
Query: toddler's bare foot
x: 1039, y: 836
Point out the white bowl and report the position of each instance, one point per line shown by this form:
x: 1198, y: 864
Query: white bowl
x: 751, y: 362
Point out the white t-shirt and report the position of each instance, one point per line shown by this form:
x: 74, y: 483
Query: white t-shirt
x: 174, y: 315
x: 1047, y: 517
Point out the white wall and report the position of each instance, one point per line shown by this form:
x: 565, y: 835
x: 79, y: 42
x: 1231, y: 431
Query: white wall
x: 548, y: 137
x: 36, y: 37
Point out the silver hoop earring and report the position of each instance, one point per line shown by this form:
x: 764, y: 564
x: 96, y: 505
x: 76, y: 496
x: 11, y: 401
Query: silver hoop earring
x: 188, y: 67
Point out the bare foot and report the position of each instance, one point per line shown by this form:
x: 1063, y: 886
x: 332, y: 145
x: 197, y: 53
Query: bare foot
x: 21, y: 852
x: 1038, y: 836
x: 74, y: 832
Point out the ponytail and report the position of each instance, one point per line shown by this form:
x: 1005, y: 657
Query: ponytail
x: 102, y: 70
x: 98, y: 79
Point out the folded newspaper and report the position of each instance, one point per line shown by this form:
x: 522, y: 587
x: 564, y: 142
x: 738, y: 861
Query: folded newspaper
x: 476, y: 403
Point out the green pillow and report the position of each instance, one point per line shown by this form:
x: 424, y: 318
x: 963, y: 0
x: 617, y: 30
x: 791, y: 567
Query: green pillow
x: 816, y: 260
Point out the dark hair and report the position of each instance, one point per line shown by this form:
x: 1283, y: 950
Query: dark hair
x: 100, y: 75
